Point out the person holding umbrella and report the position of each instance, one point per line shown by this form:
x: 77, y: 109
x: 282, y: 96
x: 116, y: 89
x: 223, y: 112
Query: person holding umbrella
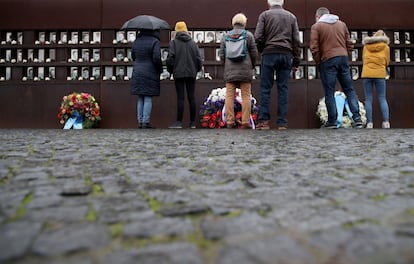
x: 184, y: 61
x: 146, y: 54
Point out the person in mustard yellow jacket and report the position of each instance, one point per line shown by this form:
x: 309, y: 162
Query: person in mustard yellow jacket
x: 375, y: 58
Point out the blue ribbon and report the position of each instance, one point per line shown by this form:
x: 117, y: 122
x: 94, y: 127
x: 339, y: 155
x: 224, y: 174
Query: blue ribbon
x: 75, y: 121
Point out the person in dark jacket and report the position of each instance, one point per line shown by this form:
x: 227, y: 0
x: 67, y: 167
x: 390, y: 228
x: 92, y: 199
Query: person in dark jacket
x: 145, y: 83
x: 239, y: 73
x: 183, y: 62
x: 277, y: 38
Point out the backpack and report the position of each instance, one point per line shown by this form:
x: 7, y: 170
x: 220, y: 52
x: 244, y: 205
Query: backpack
x: 236, y: 48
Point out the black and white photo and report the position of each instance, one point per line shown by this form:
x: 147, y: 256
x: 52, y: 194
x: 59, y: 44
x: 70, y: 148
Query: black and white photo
x: 354, y: 55
x: 52, y: 37
x: 85, y: 36
x: 52, y: 54
x: 209, y: 37
x: 396, y: 37
x: 311, y: 72
x: 131, y: 35
x: 52, y: 73
x: 20, y: 38
x: 41, y: 73
x: 74, y: 54
x: 407, y: 38
x: 397, y: 55
x: 120, y: 36
x: 96, y: 55
x: 96, y: 73
x: 42, y: 37
x: 63, y: 37
x: 74, y: 37
x: 96, y: 37
x: 85, y: 55
x: 355, y: 72
x: 198, y: 36
x: 85, y: 73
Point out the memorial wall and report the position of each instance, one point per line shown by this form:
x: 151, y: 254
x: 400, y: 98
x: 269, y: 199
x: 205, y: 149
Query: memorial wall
x: 50, y: 48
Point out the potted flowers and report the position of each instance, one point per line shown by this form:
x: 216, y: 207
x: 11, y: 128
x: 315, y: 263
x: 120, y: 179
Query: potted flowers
x: 212, y: 110
x: 79, y: 110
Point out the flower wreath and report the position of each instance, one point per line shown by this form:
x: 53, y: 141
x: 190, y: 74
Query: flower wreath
x: 212, y: 111
x: 345, y: 119
x: 79, y: 110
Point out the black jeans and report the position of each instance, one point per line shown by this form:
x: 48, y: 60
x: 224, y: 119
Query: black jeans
x: 189, y: 84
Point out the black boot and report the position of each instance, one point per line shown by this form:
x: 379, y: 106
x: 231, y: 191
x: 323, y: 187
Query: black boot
x: 147, y: 125
x: 140, y: 125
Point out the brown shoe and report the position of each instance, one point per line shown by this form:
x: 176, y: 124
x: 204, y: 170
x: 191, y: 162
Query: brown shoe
x: 246, y: 126
x: 282, y: 128
x: 263, y: 125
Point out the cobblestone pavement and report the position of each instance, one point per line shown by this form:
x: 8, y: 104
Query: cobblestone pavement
x: 207, y: 196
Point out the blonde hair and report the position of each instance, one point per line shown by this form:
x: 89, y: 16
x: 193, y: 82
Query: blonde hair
x: 240, y: 19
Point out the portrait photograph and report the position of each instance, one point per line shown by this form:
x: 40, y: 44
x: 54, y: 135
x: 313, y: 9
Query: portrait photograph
x: 42, y: 37
x: 9, y: 37
x: 301, y: 36
x: 8, y: 55
x: 355, y: 72
x: 20, y: 38
x: 30, y: 55
x: 354, y: 36
x: 210, y: 37
x: 218, y: 54
x: 219, y: 36
x: 164, y: 54
x: 109, y: 72
x: 165, y: 75
x: 96, y: 72
x: 299, y: 73
x: 120, y: 72
x: 52, y: 37
x: 120, y: 36
x: 85, y: 36
x: 172, y: 36
x: 396, y: 37
x: 29, y: 73
x: 97, y: 37
x: 74, y: 54
x: 63, y: 37
x: 85, y: 73
x: 41, y: 55
x: 96, y: 55
x: 74, y: 37
x: 8, y: 73
x: 52, y: 54
x: 19, y: 55
x: 397, y: 55
x: 132, y: 35
x: 74, y: 73
x: 120, y: 54
x: 85, y: 55
x: 407, y: 38
x: 129, y: 71
x: 354, y: 55
x: 52, y: 73
x: 309, y: 55
x: 364, y: 34
x: 41, y: 73
x: 198, y: 36
x: 407, y: 55
x: 311, y: 72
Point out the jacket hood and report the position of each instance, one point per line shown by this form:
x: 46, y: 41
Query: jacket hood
x: 376, y: 39
x: 329, y: 18
x: 183, y: 36
x: 236, y: 32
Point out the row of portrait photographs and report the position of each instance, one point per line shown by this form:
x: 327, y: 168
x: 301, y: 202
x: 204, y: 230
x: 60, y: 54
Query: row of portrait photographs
x: 29, y: 55
x: 213, y: 36
x: 396, y: 38
x: 72, y: 37
x: 14, y: 38
x: 124, y: 37
x: 398, y: 57
x: 84, y: 55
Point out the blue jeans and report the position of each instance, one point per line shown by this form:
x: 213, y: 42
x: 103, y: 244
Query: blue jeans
x: 144, y: 108
x: 381, y: 94
x: 282, y: 64
x: 331, y: 70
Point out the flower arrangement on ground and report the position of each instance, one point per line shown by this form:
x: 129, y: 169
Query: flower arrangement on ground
x: 79, y: 107
x: 212, y: 110
x: 344, y: 121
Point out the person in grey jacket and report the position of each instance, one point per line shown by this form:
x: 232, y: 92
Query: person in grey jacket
x: 239, y: 73
x: 184, y: 61
x: 277, y: 38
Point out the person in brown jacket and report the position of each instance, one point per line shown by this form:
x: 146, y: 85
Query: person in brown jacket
x: 331, y: 45
x: 239, y: 73
x: 277, y: 38
x: 375, y: 59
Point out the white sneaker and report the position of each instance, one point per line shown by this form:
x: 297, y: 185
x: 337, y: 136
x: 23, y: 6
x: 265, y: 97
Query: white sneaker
x: 370, y: 125
x: 385, y: 124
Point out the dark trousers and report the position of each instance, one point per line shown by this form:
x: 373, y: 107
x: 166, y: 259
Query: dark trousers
x: 180, y: 85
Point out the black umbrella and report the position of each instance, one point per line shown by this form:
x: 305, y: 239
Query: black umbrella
x: 146, y: 22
